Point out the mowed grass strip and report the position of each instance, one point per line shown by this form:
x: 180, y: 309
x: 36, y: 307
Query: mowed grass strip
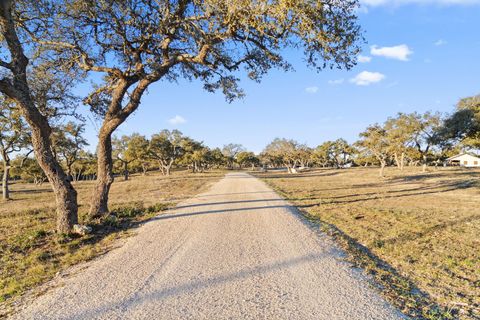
x: 424, y: 225
x: 31, y: 253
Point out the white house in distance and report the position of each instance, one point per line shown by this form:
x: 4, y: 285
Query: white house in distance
x: 464, y: 160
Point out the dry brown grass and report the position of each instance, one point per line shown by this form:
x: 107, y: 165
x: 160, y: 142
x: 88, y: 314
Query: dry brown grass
x: 425, y: 225
x: 31, y: 253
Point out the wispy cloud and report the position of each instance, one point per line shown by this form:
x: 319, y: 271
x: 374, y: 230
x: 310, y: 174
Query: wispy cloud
x: 396, y: 3
x: 440, y: 42
x: 177, y: 120
x: 392, y: 84
x: 366, y: 78
x: 336, y: 81
x: 400, y: 52
x: 311, y: 90
x: 364, y: 59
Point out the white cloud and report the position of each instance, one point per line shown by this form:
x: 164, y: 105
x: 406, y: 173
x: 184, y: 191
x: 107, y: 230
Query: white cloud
x: 366, y: 78
x: 311, y: 90
x: 364, y: 59
x: 400, y: 52
x: 336, y: 82
x: 440, y: 42
x: 177, y: 120
x: 396, y: 3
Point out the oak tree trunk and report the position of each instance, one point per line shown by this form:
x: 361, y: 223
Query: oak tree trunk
x: 125, y: 170
x: 424, y: 165
x: 18, y: 89
x: 65, y: 194
x: 397, y: 160
x: 5, y: 190
x: 99, y: 202
x: 382, y: 168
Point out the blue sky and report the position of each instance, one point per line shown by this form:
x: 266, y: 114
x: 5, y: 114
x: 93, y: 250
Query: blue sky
x: 423, y: 55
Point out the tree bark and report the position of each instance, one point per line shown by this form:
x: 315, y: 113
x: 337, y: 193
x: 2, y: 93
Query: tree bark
x: 6, y: 176
x: 161, y: 167
x: 397, y: 160
x: 125, y: 170
x: 18, y: 89
x: 99, y: 202
x: 382, y: 168
x: 424, y: 165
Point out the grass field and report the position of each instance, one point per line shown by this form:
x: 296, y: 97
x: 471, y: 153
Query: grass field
x: 424, y: 225
x: 31, y: 253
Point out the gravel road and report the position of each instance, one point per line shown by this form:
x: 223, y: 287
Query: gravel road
x: 237, y: 251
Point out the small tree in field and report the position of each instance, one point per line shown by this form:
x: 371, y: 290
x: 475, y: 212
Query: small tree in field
x: 374, y: 141
x: 246, y: 158
x: 340, y: 152
x: 13, y: 138
x: 122, y: 153
x: 217, y: 159
x: 426, y: 131
x: 323, y: 154
x: 194, y: 154
x: 68, y: 144
x: 135, y: 43
x: 85, y: 166
x: 283, y: 151
x: 230, y: 152
x: 138, y: 150
x: 28, y: 169
x: 166, y: 148
x: 400, y: 134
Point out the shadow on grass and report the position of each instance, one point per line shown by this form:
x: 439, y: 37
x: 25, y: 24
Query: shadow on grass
x: 297, y: 175
x: 389, y: 194
x: 42, y: 190
x: 437, y: 174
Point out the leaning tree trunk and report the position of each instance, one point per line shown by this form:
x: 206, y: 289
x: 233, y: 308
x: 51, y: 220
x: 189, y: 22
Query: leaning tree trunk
x: 382, y: 168
x: 161, y: 168
x: 167, y: 170
x: 18, y: 89
x: 397, y: 161
x: 5, y: 190
x: 65, y: 194
x: 99, y: 202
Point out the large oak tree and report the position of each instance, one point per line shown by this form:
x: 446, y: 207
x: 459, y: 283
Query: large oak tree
x: 35, y: 88
x: 135, y: 43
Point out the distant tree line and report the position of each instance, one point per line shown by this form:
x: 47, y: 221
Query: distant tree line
x: 412, y: 139
x: 404, y: 140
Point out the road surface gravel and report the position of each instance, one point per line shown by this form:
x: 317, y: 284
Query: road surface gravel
x: 238, y: 251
